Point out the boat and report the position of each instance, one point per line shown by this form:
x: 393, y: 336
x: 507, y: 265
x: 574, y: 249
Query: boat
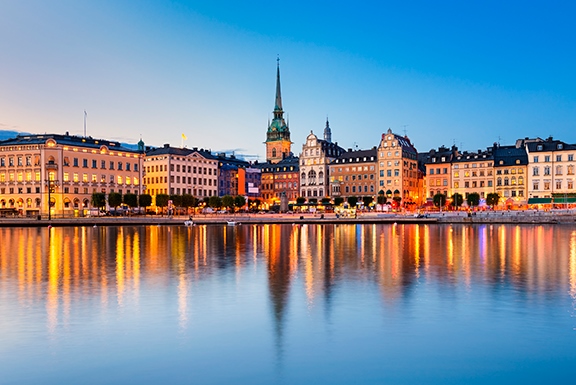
x: 188, y: 223
x: 232, y: 222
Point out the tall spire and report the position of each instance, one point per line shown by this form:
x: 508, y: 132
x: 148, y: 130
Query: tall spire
x: 327, y: 132
x: 278, y: 106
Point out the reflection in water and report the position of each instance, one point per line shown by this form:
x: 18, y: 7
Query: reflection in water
x: 63, y: 266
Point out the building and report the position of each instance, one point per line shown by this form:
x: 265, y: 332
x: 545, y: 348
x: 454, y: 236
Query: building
x: 315, y: 158
x: 511, y: 169
x: 280, y: 172
x: 279, y: 180
x: 179, y: 171
x: 231, y: 175
x: 551, y: 168
x: 278, y: 144
x: 65, y: 170
x: 398, y: 169
x: 354, y: 174
x: 473, y: 172
x: 439, y: 171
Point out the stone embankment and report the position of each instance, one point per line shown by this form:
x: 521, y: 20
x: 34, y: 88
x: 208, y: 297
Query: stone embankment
x: 492, y: 217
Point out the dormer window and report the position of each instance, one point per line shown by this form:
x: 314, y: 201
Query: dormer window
x: 501, y: 162
x: 517, y: 161
x: 443, y: 159
x: 539, y: 147
x: 559, y: 147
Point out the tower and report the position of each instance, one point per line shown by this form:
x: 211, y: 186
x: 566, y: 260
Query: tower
x: 327, y: 132
x: 278, y: 144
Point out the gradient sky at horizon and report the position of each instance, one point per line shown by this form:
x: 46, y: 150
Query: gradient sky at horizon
x: 451, y: 72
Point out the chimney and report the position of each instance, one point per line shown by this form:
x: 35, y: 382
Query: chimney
x: 166, y: 145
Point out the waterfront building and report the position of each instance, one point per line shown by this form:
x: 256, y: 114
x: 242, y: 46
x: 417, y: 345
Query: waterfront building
x: 551, y: 169
x: 179, y: 171
x: 278, y: 144
x: 280, y: 172
x: 63, y: 171
x: 439, y: 171
x: 398, y: 169
x: 279, y: 180
x: 237, y: 177
x: 315, y: 158
x: 354, y: 174
x: 472, y: 172
x: 510, y: 174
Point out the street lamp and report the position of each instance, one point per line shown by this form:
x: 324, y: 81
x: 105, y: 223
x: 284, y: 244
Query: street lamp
x: 51, y: 184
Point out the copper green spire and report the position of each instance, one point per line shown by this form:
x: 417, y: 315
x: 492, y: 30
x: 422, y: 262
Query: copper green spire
x: 278, y: 106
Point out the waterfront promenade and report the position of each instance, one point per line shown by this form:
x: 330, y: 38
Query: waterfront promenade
x: 526, y: 217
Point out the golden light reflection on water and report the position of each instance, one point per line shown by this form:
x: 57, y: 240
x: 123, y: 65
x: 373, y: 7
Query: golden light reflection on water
x: 63, y: 265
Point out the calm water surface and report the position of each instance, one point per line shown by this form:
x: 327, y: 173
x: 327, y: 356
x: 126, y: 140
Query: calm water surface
x: 395, y: 304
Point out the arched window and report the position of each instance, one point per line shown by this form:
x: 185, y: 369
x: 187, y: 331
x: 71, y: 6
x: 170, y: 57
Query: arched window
x: 499, y: 182
x: 521, y: 180
x: 506, y: 182
x: 273, y: 153
x: 513, y: 181
x: 312, y: 177
x: 321, y: 178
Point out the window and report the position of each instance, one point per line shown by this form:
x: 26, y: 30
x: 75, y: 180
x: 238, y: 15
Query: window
x: 75, y: 162
x: 84, y: 162
x: 558, y: 158
x: 547, y: 158
x: 535, y: 159
x: 94, y: 163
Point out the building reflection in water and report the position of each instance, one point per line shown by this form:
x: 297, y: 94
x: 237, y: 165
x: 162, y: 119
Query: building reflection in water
x: 62, y: 266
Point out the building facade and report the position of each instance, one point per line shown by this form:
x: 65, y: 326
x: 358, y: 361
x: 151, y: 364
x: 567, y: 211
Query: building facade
x: 57, y: 174
x: 179, y: 171
x: 315, y: 158
x: 473, y: 172
x: 279, y: 180
x: 278, y: 144
x: 551, y: 168
x: 439, y: 171
x: 354, y: 174
x: 510, y: 174
x: 398, y: 169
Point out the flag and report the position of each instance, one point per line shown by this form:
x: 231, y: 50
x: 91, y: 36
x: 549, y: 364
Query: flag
x: 184, y: 137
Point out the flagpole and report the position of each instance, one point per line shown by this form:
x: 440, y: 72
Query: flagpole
x: 85, y: 123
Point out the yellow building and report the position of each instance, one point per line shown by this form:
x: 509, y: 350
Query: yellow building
x: 64, y: 170
x: 473, y: 172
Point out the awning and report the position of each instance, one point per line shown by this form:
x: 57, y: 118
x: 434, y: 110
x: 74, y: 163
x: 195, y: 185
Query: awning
x: 561, y: 200
x: 539, y: 201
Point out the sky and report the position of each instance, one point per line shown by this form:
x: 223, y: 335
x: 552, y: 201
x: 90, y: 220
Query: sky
x: 442, y: 72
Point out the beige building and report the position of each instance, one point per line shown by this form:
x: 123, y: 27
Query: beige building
x: 316, y: 155
x: 551, y: 172
x: 439, y: 171
x: 64, y: 170
x: 179, y: 171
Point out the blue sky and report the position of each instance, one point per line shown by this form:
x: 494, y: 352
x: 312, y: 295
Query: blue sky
x: 448, y: 73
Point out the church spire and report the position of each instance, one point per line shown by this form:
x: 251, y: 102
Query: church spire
x: 327, y: 132
x: 278, y: 106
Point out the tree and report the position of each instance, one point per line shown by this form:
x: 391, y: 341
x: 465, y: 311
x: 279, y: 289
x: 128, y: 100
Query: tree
x: 214, y: 201
x: 473, y: 199
x: 397, y: 200
x: 162, y: 201
x: 367, y: 201
x: 239, y: 201
x: 381, y: 199
x: 131, y: 200
x: 144, y: 200
x: 338, y: 201
x: 457, y: 200
x: 300, y: 200
x: 176, y: 200
x: 439, y: 200
x: 114, y: 199
x: 492, y: 199
x: 188, y: 201
x: 228, y: 202
x: 98, y: 200
x: 352, y: 201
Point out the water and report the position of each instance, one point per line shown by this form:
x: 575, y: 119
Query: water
x: 262, y: 304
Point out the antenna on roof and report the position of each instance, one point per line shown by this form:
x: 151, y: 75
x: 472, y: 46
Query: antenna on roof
x: 404, y: 128
x: 85, y: 115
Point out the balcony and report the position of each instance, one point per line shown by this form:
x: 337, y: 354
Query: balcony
x: 51, y: 166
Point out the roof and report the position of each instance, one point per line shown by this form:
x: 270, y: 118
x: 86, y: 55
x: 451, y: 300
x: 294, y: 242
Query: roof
x: 289, y: 164
x: 509, y: 156
x: 70, y: 140
x: 442, y: 155
x: 549, y: 145
x: 357, y: 156
x: 472, y: 156
x: 167, y: 150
